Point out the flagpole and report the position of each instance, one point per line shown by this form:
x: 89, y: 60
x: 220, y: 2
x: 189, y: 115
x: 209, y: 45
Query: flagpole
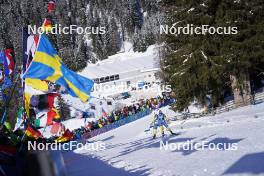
x: 21, y: 147
x: 27, y: 67
x: 22, y: 80
x: 26, y: 64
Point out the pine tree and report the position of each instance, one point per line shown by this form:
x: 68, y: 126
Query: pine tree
x: 243, y: 51
x: 149, y: 33
x: 200, y: 65
x: 192, y: 62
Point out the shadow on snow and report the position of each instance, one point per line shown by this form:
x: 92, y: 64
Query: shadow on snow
x: 85, y: 165
x: 248, y: 164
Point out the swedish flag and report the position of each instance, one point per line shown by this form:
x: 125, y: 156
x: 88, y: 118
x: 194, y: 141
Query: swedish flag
x: 47, y: 65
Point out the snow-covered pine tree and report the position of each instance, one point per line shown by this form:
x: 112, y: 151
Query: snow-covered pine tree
x: 136, y: 14
x: 149, y: 33
x: 192, y: 63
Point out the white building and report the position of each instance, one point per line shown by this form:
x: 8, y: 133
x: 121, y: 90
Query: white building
x: 122, y: 72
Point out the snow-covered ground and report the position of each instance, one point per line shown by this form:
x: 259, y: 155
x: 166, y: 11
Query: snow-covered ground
x: 129, y: 150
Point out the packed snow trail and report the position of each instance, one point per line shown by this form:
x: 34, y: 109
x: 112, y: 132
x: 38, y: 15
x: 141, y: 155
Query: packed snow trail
x: 131, y: 151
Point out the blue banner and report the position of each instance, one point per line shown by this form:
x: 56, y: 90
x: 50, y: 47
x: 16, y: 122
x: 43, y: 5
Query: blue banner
x: 117, y: 124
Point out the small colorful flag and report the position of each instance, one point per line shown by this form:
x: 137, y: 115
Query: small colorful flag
x: 52, y: 114
x: 6, y: 58
x: 47, y: 25
x: 27, y: 98
x: 67, y: 136
x: 32, y: 132
x: 10, y: 61
x: 104, y: 114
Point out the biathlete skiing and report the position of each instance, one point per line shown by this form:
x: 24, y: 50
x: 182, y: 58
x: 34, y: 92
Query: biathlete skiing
x: 161, y: 121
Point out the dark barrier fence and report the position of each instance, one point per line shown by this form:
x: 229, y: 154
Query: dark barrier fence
x: 117, y: 124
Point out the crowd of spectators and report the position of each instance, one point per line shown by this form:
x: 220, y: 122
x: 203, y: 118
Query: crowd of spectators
x: 125, y: 112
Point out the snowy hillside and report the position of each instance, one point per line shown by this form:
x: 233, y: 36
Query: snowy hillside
x: 131, y: 151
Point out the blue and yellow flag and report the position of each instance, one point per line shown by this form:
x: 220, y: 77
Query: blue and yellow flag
x: 47, y: 65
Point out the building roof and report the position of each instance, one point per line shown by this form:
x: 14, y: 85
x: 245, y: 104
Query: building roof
x: 123, y: 63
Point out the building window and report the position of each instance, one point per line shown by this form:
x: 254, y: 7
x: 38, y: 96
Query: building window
x: 102, y: 80
x: 112, y: 78
x: 107, y: 79
x: 116, y: 77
